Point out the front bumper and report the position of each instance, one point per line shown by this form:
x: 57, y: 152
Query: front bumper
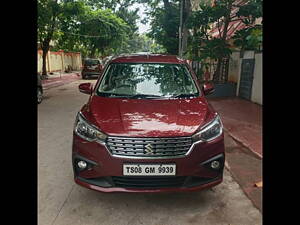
x: 147, y: 190
x: 105, y: 172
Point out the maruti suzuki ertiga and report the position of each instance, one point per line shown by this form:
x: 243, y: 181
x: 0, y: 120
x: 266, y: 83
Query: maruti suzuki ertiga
x: 147, y: 127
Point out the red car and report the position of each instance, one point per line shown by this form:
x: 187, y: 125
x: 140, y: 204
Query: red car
x: 147, y: 127
x: 91, y: 68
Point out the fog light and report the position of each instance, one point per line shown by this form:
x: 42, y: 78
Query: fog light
x: 82, y: 164
x: 215, y: 164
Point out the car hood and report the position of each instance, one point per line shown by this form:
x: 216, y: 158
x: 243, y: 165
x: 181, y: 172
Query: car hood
x: 148, y: 117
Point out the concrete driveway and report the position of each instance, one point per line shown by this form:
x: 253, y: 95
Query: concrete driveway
x: 61, y: 201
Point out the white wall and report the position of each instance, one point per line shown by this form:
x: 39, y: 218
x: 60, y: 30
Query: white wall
x: 58, y: 60
x: 233, y: 70
x: 55, y: 62
x: 249, y: 55
x: 68, y: 60
x: 256, y: 95
x: 40, y: 60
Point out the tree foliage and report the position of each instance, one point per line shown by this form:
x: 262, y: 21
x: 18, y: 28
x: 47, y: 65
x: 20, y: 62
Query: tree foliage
x: 104, y: 31
x: 93, y: 27
x: 141, y: 43
x: 165, y: 24
x: 96, y: 32
x: 121, y: 9
x: 202, y: 46
x: 51, y: 13
x: 250, y: 38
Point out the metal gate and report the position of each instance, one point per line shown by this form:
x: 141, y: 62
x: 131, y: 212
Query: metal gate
x: 224, y: 70
x: 246, y: 78
x: 223, y: 76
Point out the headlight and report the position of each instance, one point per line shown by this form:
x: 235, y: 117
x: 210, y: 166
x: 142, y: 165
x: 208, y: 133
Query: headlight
x: 87, y: 131
x: 211, y: 131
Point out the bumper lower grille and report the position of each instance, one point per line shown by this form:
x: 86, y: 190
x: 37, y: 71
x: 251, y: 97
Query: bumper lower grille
x: 149, y: 147
x: 148, y: 182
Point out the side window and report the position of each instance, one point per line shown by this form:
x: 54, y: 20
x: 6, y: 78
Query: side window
x: 107, y: 78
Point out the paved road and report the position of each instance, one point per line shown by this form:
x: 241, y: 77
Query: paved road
x: 61, y: 201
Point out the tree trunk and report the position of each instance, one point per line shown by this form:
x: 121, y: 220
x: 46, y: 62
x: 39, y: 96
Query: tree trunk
x: 45, y: 49
x: 45, y: 43
x: 185, y: 31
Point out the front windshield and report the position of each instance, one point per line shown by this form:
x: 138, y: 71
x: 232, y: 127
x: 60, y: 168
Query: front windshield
x: 91, y: 62
x: 147, y: 79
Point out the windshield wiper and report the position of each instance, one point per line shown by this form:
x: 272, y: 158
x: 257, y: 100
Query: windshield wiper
x: 113, y: 95
x: 183, y: 96
x: 146, y: 96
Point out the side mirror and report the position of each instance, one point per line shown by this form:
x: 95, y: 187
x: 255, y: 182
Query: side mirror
x: 208, y: 88
x: 86, y: 88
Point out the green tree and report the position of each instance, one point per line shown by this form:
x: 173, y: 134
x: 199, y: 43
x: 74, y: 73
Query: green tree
x: 221, y: 15
x: 247, y: 13
x: 141, y: 43
x: 104, y: 30
x: 88, y: 26
x: 199, y: 42
x: 51, y: 14
x: 137, y: 43
x: 121, y: 9
x: 249, y: 38
x: 165, y: 23
x: 48, y: 12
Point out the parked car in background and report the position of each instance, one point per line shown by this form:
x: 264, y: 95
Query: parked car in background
x: 147, y: 127
x: 91, y: 68
x: 39, y: 89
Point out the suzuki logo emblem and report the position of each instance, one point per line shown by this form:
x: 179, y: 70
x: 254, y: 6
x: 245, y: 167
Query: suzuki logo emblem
x: 149, y: 149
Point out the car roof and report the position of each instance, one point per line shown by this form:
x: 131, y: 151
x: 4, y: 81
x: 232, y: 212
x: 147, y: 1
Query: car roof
x: 147, y: 58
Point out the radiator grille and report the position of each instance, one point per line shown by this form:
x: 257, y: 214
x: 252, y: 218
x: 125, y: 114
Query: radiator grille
x: 149, y: 147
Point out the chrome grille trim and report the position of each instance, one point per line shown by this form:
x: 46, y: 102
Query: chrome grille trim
x: 135, y: 147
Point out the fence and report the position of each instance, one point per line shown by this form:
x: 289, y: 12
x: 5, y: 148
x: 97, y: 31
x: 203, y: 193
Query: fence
x: 60, y: 61
x: 243, y: 71
x: 199, y: 69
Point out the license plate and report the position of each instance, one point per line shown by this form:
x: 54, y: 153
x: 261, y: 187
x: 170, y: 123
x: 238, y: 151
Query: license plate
x: 149, y: 169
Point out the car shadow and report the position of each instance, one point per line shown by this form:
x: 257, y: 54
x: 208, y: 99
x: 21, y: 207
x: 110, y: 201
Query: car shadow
x: 173, y: 201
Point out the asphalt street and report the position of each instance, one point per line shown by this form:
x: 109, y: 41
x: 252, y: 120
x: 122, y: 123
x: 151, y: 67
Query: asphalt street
x: 61, y: 201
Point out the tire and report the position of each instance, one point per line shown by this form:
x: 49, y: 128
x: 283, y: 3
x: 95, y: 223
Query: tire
x: 39, y: 95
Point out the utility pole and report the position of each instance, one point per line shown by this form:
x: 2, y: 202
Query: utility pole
x: 182, y: 2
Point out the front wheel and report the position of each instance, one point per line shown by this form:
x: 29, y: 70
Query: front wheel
x: 39, y: 95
